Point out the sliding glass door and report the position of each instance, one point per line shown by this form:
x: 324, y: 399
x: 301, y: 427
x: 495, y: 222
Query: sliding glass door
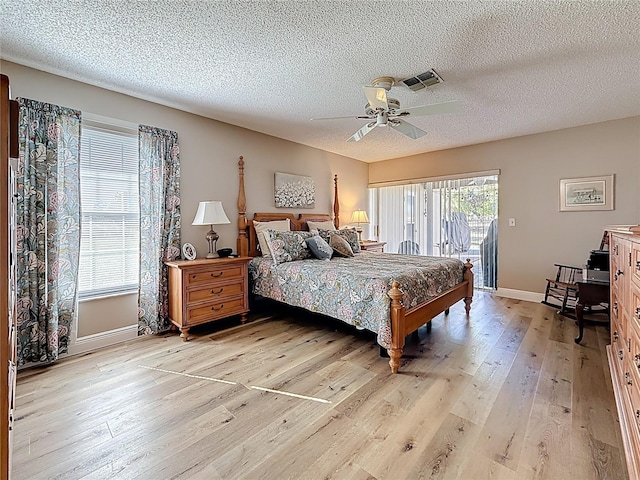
x: 452, y: 217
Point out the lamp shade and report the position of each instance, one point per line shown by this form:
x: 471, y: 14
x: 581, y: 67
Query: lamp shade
x: 359, y: 216
x: 210, y: 213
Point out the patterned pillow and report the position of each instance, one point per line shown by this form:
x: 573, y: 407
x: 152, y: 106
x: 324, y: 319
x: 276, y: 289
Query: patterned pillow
x: 288, y: 246
x: 349, y: 234
x: 341, y: 247
x: 261, y: 227
x: 319, y: 248
x: 326, y: 225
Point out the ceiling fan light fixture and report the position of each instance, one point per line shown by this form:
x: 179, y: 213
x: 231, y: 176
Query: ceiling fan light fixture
x: 382, y: 119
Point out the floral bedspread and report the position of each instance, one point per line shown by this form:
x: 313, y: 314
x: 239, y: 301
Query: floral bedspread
x: 354, y: 289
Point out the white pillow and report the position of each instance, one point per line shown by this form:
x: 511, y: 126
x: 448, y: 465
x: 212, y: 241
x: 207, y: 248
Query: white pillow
x: 326, y: 225
x: 261, y: 227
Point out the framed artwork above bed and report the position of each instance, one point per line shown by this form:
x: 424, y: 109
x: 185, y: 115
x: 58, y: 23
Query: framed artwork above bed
x: 294, y: 191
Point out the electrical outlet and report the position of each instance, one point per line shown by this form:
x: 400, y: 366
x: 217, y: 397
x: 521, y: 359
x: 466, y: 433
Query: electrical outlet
x: 512, y: 222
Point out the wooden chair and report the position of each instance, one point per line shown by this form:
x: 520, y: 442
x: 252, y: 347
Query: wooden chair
x: 562, y: 291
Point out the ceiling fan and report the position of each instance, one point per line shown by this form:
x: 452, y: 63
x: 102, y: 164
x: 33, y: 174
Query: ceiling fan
x: 384, y: 111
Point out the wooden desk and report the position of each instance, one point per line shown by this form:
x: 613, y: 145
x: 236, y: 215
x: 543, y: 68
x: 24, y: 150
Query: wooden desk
x: 591, y: 293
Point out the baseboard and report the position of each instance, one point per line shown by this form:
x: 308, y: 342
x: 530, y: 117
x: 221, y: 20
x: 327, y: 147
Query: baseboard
x: 103, y: 339
x: 519, y: 295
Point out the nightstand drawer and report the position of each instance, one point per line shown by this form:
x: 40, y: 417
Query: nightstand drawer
x: 209, y: 275
x: 218, y: 291
x: 213, y: 310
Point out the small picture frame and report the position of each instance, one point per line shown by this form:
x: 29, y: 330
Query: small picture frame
x: 188, y: 251
x: 587, y: 193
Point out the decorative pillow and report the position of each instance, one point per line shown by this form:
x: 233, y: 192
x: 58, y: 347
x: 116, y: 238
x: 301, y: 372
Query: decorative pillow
x: 349, y: 234
x: 341, y: 247
x: 288, y: 246
x: 319, y: 248
x: 261, y: 227
x: 326, y: 225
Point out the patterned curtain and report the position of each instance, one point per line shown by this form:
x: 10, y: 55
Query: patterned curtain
x: 48, y: 229
x: 159, y: 224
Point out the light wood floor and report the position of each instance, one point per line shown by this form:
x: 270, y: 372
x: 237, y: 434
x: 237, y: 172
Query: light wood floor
x: 506, y: 394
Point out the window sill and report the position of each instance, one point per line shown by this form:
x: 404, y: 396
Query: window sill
x: 107, y: 295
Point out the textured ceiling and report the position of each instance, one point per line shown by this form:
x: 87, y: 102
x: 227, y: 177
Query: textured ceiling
x: 517, y: 67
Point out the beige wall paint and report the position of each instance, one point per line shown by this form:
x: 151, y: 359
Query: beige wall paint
x: 531, y: 168
x: 209, y: 152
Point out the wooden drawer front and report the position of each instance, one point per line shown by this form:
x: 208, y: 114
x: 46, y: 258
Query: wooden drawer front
x: 616, y: 308
x: 219, y: 291
x: 210, y: 311
x: 213, y: 274
x: 634, y: 302
x: 619, y: 345
x: 634, y: 412
x: 633, y: 334
x: 635, y: 263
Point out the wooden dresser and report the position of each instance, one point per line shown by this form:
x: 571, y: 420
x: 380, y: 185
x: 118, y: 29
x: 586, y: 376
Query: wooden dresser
x: 624, y: 351
x: 204, y: 290
x: 372, y: 246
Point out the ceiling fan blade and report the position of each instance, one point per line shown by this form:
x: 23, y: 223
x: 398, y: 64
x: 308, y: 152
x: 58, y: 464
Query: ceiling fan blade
x: 406, y: 128
x: 453, y: 106
x: 377, y: 97
x: 340, y: 118
x: 362, y: 132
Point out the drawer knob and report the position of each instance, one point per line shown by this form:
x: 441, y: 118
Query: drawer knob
x: 638, y: 312
x: 615, y: 249
x: 216, y: 275
x: 219, y: 308
x: 615, y: 308
x: 627, y: 376
x: 615, y: 335
x: 617, y: 274
x: 620, y: 354
x: 637, y: 264
x: 217, y: 292
x: 638, y: 414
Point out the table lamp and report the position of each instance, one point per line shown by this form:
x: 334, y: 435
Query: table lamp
x: 211, y: 213
x: 358, y: 217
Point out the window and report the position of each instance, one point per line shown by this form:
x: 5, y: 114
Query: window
x: 446, y: 217
x: 110, y: 219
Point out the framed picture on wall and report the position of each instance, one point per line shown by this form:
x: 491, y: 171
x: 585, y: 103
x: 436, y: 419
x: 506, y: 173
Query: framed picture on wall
x: 294, y: 191
x: 586, y: 193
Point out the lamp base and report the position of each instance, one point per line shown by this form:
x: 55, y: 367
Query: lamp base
x: 359, y: 230
x: 212, y: 239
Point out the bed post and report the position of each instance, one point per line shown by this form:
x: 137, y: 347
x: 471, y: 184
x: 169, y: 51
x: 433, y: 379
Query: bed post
x: 336, y: 203
x: 243, y: 240
x: 397, y: 332
x: 468, y: 276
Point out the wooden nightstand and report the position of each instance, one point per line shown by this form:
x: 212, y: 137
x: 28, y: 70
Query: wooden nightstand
x: 372, y: 246
x: 204, y: 290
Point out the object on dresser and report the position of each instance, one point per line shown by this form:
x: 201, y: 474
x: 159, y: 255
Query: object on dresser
x: 597, y: 267
x: 224, y: 252
x: 211, y: 213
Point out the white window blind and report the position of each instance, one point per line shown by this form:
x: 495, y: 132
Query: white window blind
x: 109, y: 246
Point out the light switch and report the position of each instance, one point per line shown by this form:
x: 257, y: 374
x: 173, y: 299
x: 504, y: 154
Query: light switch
x: 512, y: 222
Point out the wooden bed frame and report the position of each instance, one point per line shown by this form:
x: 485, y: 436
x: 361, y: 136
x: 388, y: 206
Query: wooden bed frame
x: 403, y: 321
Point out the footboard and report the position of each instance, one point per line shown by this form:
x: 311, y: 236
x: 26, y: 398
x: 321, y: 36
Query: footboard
x: 404, y: 322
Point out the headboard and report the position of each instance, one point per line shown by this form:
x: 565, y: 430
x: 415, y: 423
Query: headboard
x: 247, y: 239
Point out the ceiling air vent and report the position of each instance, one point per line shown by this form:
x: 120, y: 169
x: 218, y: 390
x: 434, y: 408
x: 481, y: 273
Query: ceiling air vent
x: 426, y: 79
